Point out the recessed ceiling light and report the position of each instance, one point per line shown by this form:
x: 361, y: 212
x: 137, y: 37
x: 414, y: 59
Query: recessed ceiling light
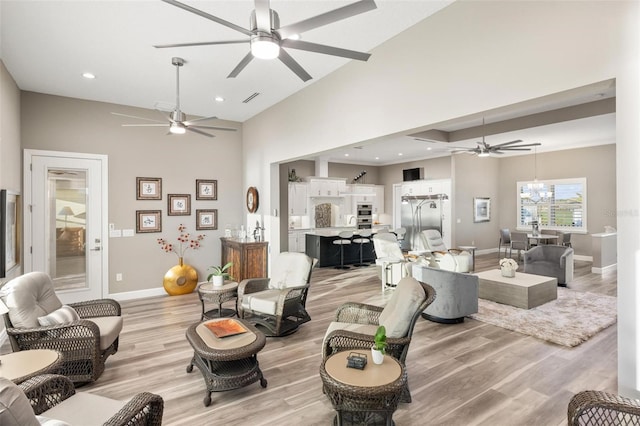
x: 346, y: 155
x: 429, y: 148
x: 88, y: 75
x: 294, y: 37
x: 377, y: 158
x: 400, y: 154
x: 219, y: 99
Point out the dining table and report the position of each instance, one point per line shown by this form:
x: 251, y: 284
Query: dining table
x: 543, y: 238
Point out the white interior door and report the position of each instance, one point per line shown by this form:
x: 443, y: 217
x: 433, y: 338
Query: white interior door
x: 66, y: 221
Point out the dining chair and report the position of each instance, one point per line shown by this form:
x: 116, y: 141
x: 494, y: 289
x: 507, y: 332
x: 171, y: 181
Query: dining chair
x: 519, y: 241
x: 505, y: 241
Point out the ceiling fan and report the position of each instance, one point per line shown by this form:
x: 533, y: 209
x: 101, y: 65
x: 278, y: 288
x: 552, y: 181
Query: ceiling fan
x: 177, y: 120
x: 483, y: 149
x: 267, y: 39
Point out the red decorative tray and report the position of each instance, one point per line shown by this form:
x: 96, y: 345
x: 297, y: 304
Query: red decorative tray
x: 225, y: 328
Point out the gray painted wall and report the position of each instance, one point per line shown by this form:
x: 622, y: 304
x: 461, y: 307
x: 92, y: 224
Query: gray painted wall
x: 65, y: 124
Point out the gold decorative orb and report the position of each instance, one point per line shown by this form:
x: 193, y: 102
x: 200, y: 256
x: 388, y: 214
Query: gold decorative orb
x: 181, y: 279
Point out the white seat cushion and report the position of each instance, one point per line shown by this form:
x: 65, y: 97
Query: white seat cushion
x: 397, y: 314
x: 290, y: 270
x: 85, y: 409
x: 28, y: 297
x: 263, y: 301
x: 15, y: 409
x: 110, y: 328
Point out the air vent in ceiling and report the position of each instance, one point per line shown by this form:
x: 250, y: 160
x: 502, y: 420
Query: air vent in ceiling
x: 250, y: 98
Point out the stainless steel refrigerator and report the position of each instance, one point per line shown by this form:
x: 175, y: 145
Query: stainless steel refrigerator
x: 419, y: 213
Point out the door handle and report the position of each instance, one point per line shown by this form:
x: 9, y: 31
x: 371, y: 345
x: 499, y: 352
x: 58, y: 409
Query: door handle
x: 95, y: 249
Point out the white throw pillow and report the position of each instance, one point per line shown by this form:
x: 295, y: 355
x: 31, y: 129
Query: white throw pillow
x: 63, y: 315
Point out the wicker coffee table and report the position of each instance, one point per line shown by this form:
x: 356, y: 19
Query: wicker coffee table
x: 368, y: 396
x: 226, y: 362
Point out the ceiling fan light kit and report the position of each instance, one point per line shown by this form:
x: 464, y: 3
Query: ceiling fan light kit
x: 267, y: 40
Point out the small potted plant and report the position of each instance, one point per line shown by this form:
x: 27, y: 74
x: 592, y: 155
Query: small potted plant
x: 219, y: 274
x: 379, y: 345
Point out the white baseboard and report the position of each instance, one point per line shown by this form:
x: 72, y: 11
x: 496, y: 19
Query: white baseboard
x: 138, y: 294
x: 604, y: 269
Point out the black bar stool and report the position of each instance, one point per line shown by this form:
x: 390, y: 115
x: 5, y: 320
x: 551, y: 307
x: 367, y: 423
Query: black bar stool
x: 363, y: 237
x: 343, y: 239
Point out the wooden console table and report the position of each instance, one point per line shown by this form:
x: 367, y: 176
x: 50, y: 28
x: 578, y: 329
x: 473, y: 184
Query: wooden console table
x: 249, y: 257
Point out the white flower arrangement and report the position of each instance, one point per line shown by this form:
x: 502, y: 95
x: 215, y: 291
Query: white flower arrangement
x: 509, y: 263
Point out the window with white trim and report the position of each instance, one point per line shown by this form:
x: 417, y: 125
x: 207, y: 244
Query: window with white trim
x: 559, y: 204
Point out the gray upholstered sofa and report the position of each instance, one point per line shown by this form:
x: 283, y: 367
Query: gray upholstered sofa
x: 456, y: 294
x: 550, y: 261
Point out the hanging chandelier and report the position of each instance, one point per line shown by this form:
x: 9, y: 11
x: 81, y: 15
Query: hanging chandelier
x: 536, y: 191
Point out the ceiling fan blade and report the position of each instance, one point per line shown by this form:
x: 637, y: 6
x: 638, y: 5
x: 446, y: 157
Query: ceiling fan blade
x: 326, y: 18
x: 293, y: 65
x: 200, y: 43
x: 263, y: 15
x: 327, y: 50
x: 136, y: 117
x: 146, y: 125
x: 200, y: 132
x: 515, y: 148
x: 507, y: 143
x: 520, y: 146
x: 188, y: 122
x: 243, y: 63
x: 208, y: 16
x: 230, y: 129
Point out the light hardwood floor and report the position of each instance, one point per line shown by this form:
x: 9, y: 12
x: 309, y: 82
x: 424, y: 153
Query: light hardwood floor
x: 464, y: 374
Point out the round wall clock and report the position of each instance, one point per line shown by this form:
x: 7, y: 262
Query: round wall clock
x: 252, y: 199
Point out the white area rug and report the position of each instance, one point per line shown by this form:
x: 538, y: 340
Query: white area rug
x: 570, y: 320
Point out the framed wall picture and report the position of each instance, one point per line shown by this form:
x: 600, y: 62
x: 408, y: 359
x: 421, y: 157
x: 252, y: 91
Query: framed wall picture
x: 148, y: 188
x: 9, y: 231
x: 148, y: 221
x: 206, y: 219
x: 206, y: 189
x: 179, y: 204
x: 481, y: 209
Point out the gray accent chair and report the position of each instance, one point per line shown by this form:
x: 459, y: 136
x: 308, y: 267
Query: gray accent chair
x: 550, y: 261
x: 457, y: 294
x: 519, y: 242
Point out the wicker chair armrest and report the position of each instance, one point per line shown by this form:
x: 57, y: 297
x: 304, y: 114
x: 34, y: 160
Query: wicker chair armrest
x: 292, y: 292
x: 97, y: 308
x: 602, y: 408
x: 61, y: 337
x: 143, y: 409
x: 46, y: 391
x: 358, y: 313
x: 339, y: 340
x: 252, y: 285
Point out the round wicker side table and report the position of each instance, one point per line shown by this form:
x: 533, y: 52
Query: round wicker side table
x: 368, y: 396
x: 218, y: 295
x: 22, y: 365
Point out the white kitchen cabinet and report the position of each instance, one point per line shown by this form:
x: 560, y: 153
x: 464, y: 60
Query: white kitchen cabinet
x: 298, y: 199
x: 297, y: 241
x: 326, y: 187
x: 378, y: 200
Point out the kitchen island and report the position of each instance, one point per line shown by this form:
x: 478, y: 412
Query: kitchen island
x: 320, y: 245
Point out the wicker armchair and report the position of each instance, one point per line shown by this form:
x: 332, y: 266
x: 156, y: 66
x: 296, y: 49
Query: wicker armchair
x: 601, y: 408
x: 355, y: 323
x: 84, y: 343
x: 53, y: 396
x: 277, y: 304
